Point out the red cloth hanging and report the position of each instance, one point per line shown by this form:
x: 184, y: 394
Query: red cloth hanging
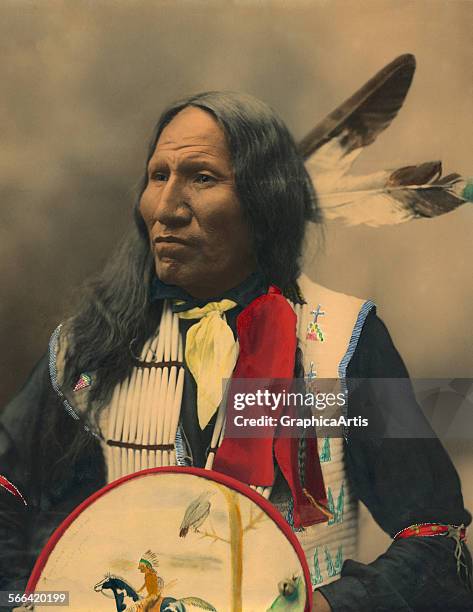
x: 266, y: 331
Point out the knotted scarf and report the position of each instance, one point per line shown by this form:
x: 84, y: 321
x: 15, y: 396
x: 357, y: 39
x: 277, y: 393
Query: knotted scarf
x: 211, y: 354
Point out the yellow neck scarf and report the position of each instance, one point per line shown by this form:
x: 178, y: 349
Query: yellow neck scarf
x: 211, y: 354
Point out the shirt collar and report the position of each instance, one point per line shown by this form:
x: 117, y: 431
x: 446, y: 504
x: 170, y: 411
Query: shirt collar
x: 244, y: 293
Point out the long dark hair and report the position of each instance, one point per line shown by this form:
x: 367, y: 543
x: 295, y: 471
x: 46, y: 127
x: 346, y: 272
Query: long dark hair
x: 277, y: 198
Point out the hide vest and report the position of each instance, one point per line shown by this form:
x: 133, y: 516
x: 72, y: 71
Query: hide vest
x: 140, y: 427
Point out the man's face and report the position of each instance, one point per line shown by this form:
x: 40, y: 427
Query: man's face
x: 194, y: 219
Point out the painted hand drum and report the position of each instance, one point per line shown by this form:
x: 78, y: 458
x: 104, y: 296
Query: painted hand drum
x: 175, y: 540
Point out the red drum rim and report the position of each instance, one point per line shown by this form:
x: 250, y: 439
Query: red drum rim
x: 232, y: 483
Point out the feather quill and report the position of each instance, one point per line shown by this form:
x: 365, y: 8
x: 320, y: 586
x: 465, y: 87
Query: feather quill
x: 385, y: 197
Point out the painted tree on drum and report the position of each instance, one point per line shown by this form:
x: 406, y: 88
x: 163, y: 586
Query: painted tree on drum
x: 198, y: 511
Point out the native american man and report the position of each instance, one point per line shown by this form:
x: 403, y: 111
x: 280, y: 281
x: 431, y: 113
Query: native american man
x: 214, y: 258
x: 153, y: 583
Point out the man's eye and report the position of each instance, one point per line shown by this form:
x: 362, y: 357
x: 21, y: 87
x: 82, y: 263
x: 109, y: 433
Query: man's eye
x: 203, y: 179
x: 159, y: 176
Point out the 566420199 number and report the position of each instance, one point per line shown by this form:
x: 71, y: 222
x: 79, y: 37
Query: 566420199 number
x: 18, y: 598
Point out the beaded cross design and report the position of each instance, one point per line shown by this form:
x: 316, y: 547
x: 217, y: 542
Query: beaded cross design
x: 314, y: 331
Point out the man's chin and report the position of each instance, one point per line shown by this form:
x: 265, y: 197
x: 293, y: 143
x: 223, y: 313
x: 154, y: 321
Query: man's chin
x: 175, y: 275
x: 171, y: 273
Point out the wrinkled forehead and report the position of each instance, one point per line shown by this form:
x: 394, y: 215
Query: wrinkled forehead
x: 193, y: 128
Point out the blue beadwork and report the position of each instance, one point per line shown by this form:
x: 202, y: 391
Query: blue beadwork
x: 355, y: 336
x: 337, y: 510
x: 325, y: 454
x: 179, y: 445
x: 53, y: 346
x: 334, y: 567
x: 316, y: 575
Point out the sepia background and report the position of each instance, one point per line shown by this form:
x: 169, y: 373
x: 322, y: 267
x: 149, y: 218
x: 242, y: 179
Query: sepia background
x: 83, y: 82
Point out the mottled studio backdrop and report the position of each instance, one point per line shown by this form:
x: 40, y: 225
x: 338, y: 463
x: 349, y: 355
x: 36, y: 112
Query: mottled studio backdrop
x: 81, y: 84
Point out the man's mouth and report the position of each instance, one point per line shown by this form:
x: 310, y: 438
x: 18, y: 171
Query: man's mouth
x: 170, y: 247
x: 170, y: 240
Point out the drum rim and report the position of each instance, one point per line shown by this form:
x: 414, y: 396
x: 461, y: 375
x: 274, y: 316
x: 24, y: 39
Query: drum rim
x: 224, y: 479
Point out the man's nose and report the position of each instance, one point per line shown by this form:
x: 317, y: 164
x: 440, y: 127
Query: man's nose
x: 172, y: 207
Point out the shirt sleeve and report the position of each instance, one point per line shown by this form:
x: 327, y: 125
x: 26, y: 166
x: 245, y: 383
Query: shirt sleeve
x: 402, y: 481
x: 53, y: 461
x: 18, y: 423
